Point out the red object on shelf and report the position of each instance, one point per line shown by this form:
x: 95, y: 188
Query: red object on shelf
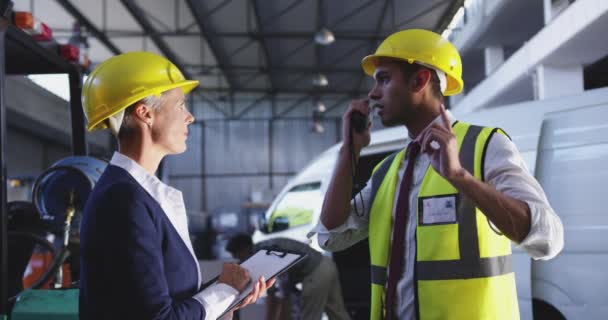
x: 38, y: 30
x: 24, y: 20
x: 45, y: 33
x: 69, y: 52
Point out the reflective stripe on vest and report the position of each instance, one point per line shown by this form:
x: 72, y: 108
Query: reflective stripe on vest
x: 463, y: 268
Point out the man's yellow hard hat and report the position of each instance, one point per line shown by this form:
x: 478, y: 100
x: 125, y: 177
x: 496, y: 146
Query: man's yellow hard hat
x: 125, y: 79
x: 424, y: 47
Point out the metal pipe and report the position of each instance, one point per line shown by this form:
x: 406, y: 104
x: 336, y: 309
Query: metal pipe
x: 260, y: 24
x: 79, y: 139
x: 251, y: 35
x: 206, y: 32
x: 4, y: 213
x: 140, y: 17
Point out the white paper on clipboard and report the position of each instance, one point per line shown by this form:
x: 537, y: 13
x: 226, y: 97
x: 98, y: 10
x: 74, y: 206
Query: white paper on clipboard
x: 267, y: 263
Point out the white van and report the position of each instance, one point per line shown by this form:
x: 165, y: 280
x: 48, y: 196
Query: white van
x: 564, y: 142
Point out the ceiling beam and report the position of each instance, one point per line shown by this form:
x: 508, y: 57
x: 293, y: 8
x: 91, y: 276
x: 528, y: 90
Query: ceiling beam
x: 292, y: 107
x: 263, y: 44
x: 373, y: 43
x: 281, y: 13
x: 262, y: 40
x: 448, y: 15
x: 211, y: 103
x: 285, y: 91
x: 352, y: 13
x: 139, y: 15
x: 318, y: 25
x: 82, y: 20
x: 245, y: 68
x: 338, y: 103
x: 420, y: 14
x: 207, y: 33
x: 254, y: 35
x: 252, y: 105
x: 209, y: 13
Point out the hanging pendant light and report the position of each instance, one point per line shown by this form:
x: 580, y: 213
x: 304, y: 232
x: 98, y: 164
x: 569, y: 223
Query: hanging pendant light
x: 324, y: 37
x: 320, y: 80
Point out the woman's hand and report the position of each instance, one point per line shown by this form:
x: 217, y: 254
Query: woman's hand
x: 235, y: 276
x: 258, y: 290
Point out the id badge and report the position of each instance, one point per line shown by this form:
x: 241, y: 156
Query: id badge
x: 439, y: 210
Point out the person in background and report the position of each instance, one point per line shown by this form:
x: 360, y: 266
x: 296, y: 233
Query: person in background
x: 318, y: 274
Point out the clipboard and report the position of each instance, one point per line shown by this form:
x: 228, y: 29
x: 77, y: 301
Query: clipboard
x: 269, y: 263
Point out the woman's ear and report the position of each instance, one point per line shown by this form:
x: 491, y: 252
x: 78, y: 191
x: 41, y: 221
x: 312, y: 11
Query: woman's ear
x: 144, y: 114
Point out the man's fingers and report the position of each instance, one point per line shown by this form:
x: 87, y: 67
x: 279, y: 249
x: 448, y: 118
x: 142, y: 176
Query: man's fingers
x: 433, y: 134
x: 439, y: 136
x: 441, y: 128
x: 361, y: 106
x: 427, y: 139
x: 444, y: 116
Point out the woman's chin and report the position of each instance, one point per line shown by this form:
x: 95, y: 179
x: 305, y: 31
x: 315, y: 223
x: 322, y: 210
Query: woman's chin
x: 179, y: 150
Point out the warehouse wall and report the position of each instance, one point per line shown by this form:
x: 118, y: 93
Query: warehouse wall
x: 228, y: 159
x: 27, y: 155
x: 39, y: 129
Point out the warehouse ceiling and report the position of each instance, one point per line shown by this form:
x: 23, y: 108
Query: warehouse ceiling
x: 262, y: 47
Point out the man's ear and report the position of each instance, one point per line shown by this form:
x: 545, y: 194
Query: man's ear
x: 420, y: 80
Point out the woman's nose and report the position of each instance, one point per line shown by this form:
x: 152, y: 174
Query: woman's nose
x: 190, y: 118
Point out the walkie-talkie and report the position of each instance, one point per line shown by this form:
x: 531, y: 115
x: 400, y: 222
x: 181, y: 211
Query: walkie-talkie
x: 358, y: 121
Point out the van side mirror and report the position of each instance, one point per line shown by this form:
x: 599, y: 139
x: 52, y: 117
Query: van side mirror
x: 280, y: 224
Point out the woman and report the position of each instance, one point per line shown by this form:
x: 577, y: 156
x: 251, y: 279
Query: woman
x: 137, y: 259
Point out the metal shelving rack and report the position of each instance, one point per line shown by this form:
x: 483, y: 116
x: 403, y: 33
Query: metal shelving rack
x: 21, y: 55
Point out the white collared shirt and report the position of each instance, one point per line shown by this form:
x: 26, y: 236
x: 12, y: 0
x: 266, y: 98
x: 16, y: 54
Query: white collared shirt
x: 216, y: 298
x: 504, y: 169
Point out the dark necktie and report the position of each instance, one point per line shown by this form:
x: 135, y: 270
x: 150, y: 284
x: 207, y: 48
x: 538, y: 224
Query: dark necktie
x: 395, y: 269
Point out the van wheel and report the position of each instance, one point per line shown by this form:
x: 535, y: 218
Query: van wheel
x: 544, y: 311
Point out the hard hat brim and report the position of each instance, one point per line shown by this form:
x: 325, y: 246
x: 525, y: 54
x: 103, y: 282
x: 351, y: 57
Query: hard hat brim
x: 98, y: 123
x: 369, y: 63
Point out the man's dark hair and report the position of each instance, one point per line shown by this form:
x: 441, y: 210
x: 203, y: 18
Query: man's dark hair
x: 239, y: 242
x: 409, y: 69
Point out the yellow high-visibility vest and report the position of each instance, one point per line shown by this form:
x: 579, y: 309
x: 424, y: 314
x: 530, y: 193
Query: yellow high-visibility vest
x: 463, y: 267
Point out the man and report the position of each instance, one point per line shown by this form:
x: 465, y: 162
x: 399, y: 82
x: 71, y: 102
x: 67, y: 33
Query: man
x: 137, y: 260
x: 317, y: 273
x: 441, y: 213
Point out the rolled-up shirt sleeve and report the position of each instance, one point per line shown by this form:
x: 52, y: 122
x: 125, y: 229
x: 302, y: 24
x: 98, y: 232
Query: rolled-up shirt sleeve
x: 506, y: 170
x: 353, y: 230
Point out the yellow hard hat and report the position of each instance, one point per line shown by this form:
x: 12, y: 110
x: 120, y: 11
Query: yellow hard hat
x: 424, y: 47
x: 125, y: 79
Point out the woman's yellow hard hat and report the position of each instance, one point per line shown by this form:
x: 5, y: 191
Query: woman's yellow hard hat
x: 125, y: 79
x: 424, y: 47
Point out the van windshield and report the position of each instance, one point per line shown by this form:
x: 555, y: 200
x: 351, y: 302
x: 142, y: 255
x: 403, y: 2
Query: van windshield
x: 297, y: 206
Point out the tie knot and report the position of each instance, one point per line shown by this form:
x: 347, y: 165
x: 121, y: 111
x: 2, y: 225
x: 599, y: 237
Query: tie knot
x: 413, y: 149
